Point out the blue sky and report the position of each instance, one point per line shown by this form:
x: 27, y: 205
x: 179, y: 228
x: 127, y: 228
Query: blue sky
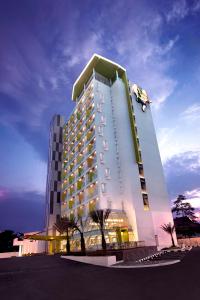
x: 45, y: 45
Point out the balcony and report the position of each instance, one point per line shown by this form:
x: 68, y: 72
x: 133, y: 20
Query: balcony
x: 80, y: 211
x: 71, y: 203
x: 91, y: 176
x: 91, y: 160
x: 89, y: 112
x: 80, y: 184
x: 91, y: 191
x: 89, y: 123
x: 64, y: 174
x: 71, y: 216
x: 79, y: 146
x: 71, y: 178
x: 90, y: 148
x: 90, y: 134
x: 71, y: 190
x: 79, y: 158
x: 92, y: 205
x: 80, y: 197
x: 80, y: 171
x: 65, y: 184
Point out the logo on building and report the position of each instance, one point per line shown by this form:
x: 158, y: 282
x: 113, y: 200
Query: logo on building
x: 141, y: 96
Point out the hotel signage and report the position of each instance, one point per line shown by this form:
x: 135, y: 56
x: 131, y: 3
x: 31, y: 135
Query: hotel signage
x: 141, y: 96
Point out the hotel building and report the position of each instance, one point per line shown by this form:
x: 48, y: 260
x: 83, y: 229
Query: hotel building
x: 110, y: 159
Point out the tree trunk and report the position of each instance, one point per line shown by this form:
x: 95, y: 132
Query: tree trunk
x: 68, y: 243
x: 173, y: 244
x: 82, y: 243
x: 68, y: 246
x: 103, y: 241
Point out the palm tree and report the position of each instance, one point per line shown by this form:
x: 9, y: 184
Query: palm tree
x: 99, y: 217
x: 79, y: 226
x: 169, y: 228
x: 64, y: 225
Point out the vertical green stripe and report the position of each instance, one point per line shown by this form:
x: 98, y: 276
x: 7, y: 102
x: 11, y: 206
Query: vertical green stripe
x: 132, y: 121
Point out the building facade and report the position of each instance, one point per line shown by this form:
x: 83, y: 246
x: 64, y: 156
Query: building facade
x: 110, y: 159
x: 54, y: 171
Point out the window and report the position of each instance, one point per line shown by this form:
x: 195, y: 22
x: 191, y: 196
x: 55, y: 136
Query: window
x: 99, y: 107
x: 107, y: 173
x: 105, y: 145
x: 60, y: 135
x: 101, y: 155
x: 136, y: 131
x: 100, y: 130
x: 57, y: 218
x: 145, y: 201
x: 103, y: 187
x: 140, y: 156
x: 141, y: 170
x: 57, y: 146
x: 55, y: 186
x: 143, y: 183
x: 54, y: 137
x: 51, y: 202
x: 58, y: 120
x: 60, y: 156
x: 103, y: 120
x: 54, y: 155
x: 58, y: 197
x: 56, y: 165
x: 59, y: 175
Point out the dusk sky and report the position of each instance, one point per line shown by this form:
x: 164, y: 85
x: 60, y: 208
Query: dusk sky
x: 44, y: 47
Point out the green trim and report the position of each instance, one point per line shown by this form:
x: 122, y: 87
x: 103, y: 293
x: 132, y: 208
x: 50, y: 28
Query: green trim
x: 132, y: 121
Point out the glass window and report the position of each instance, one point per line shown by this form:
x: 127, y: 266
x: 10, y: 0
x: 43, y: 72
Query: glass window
x: 105, y: 144
x: 101, y: 155
x: 103, y: 187
x: 100, y: 130
x: 107, y: 172
x: 145, y: 201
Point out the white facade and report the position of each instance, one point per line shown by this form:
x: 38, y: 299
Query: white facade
x: 28, y: 246
x: 124, y: 142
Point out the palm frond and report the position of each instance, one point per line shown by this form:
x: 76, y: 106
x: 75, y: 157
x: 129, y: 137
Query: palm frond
x: 169, y: 228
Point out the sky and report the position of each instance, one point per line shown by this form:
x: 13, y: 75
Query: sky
x: 44, y: 46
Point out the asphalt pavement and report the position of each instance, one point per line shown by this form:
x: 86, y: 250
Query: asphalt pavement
x: 50, y: 277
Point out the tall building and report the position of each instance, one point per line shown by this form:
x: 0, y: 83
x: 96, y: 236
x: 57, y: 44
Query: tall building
x: 54, y: 171
x: 111, y: 158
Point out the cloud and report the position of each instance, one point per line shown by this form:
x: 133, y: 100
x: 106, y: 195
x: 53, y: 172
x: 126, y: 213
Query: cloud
x: 182, y: 173
x: 181, y: 9
x: 192, y: 113
x: 139, y: 46
x: 27, y: 209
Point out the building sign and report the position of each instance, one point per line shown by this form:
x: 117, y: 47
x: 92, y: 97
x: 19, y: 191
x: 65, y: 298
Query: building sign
x: 141, y: 96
